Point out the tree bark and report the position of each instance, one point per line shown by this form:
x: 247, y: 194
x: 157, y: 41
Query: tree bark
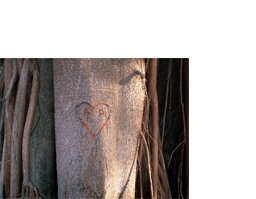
x: 28, y: 129
x: 17, y: 130
x: 89, y: 92
x: 152, y: 92
x: 8, y: 121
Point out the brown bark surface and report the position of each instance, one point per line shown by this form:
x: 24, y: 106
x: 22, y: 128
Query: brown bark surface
x: 95, y: 88
x: 152, y: 92
x: 17, y: 130
x: 7, y: 78
x: 28, y: 128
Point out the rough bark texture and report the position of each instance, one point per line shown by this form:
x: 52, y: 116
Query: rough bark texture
x: 42, y: 144
x: 102, y: 167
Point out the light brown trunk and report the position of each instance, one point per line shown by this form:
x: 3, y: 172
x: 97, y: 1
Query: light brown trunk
x: 95, y: 88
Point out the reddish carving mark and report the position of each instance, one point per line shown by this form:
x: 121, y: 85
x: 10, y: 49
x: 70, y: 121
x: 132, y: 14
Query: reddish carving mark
x: 87, y: 111
x: 88, y: 128
x: 102, y: 112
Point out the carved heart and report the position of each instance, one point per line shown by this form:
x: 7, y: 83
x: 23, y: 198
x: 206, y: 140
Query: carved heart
x: 88, y: 116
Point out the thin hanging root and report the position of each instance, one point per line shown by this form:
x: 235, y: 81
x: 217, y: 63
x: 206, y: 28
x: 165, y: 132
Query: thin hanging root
x: 152, y: 91
x: 144, y: 125
x: 184, y: 126
x: 8, y: 121
x: 20, y: 63
x: 6, y: 99
x: 14, y: 75
x: 17, y: 129
x: 166, y: 97
x: 139, y: 170
x: 28, y: 193
x: 163, y: 174
x: 26, y: 138
x: 3, y: 156
x: 163, y: 182
x: 2, y: 168
x: 149, y: 164
x: 8, y: 94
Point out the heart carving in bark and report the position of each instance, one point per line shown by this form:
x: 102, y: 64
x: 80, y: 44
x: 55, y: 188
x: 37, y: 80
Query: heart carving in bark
x: 94, y: 118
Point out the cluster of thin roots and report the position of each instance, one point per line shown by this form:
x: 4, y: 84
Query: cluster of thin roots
x: 151, y: 167
x: 29, y: 193
x: 151, y: 172
x: 19, y: 96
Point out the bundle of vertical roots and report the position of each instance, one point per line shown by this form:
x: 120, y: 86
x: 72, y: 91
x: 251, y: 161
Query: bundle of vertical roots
x: 151, y: 172
x: 19, y: 96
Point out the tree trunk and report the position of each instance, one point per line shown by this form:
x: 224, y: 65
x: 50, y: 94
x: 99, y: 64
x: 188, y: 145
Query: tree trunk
x: 98, y: 117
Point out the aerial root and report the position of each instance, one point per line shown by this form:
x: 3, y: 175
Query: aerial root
x: 30, y: 192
